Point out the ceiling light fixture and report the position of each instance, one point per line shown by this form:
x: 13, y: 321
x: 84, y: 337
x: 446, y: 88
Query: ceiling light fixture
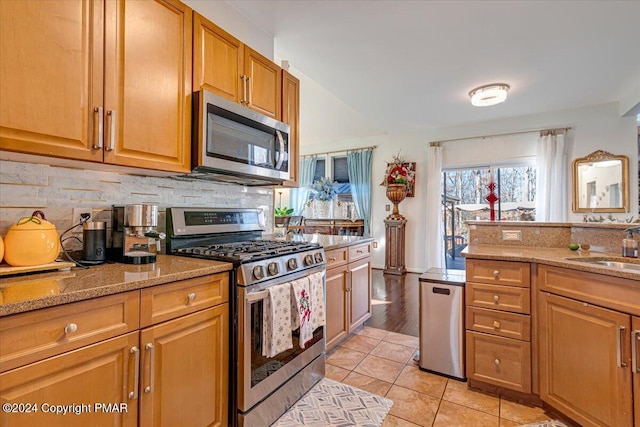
x: 486, y: 95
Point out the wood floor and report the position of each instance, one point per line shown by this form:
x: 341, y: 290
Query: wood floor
x: 394, y: 303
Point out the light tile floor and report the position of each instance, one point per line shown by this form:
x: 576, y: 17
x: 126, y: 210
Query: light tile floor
x: 381, y: 362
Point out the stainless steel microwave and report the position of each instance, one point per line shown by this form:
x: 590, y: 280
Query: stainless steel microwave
x: 235, y: 144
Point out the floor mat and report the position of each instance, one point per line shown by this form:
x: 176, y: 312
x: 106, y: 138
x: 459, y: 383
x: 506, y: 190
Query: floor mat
x: 330, y: 403
x: 551, y: 423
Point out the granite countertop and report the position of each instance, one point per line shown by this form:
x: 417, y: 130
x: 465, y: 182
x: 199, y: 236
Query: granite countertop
x: 330, y: 242
x: 559, y: 257
x: 39, y: 290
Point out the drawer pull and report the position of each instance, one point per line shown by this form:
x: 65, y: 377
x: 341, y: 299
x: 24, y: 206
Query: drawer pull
x: 496, y: 273
x: 635, y: 337
x: 70, y: 328
x: 360, y: 251
x: 497, y: 362
x: 332, y: 258
x: 496, y: 298
x: 621, y: 362
x: 191, y: 297
x: 496, y: 324
x: 136, y: 370
x: 152, y: 357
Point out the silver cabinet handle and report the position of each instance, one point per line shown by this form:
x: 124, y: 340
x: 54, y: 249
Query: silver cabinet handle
x: 635, y: 338
x: 332, y: 258
x: 497, y: 362
x: 136, y: 372
x: 496, y: 273
x: 191, y: 297
x: 496, y: 324
x: 152, y: 357
x: 111, y: 116
x: 97, y: 128
x: 249, y: 98
x: 244, y: 89
x: 496, y: 298
x: 70, y: 328
x: 621, y: 363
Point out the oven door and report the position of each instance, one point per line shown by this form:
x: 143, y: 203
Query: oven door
x: 259, y: 376
x: 236, y: 139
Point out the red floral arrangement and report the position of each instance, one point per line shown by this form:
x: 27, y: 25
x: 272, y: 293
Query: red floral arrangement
x: 399, y: 172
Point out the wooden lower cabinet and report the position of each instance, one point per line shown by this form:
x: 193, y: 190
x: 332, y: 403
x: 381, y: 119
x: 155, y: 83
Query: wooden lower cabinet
x: 359, y: 292
x: 184, y: 370
x: 336, y: 308
x: 348, y: 291
x: 79, y: 380
x: 585, y: 361
x: 635, y: 368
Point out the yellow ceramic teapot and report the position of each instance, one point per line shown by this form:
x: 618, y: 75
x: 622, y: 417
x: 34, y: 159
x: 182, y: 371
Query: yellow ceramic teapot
x: 31, y: 241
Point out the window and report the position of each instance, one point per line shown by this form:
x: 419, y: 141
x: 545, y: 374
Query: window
x: 464, y: 192
x: 339, y: 173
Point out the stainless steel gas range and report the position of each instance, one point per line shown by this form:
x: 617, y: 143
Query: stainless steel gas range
x: 265, y: 387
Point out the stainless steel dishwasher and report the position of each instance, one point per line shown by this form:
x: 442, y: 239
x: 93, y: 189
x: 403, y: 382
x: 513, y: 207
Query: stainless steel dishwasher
x: 442, y: 322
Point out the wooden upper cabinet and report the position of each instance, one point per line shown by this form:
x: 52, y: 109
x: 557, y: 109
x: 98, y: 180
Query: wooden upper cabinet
x: 51, y: 76
x: 213, y: 45
x: 291, y: 116
x: 100, y: 81
x: 225, y: 66
x: 148, y: 84
x: 264, y: 83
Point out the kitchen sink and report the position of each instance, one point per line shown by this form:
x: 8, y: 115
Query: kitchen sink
x: 614, y: 262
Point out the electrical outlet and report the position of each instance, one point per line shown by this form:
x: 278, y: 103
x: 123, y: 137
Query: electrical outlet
x: 75, y: 216
x: 511, y: 235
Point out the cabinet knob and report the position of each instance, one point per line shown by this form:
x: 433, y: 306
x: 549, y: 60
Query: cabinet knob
x: 496, y: 324
x: 191, y: 296
x: 496, y: 298
x: 497, y: 362
x: 332, y: 258
x: 70, y: 328
x: 496, y: 273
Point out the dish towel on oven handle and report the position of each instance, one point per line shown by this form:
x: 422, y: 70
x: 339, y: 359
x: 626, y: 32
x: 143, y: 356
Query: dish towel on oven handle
x: 316, y: 284
x: 302, y: 312
x: 276, y: 320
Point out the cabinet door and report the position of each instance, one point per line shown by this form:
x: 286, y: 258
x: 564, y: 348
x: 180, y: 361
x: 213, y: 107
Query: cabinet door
x: 635, y: 368
x: 148, y: 84
x: 185, y: 370
x: 51, y: 76
x: 360, y: 292
x: 264, y: 84
x: 217, y: 60
x: 291, y: 116
x: 584, y: 356
x: 97, y: 374
x: 336, y: 307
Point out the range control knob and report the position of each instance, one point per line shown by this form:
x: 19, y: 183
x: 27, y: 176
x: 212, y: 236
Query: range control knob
x: 318, y: 257
x: 308, y: 259
x: 292, y: 264
x: 258, y: 272
x: 272, y: 269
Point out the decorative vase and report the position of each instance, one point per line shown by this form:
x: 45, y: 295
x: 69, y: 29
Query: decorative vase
x: 396, y: 193
x: 323, y: 209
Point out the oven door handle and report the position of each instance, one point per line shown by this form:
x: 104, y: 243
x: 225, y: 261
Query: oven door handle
x: 257, y: 296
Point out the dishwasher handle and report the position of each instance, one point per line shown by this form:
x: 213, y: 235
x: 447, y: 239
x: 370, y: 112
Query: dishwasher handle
x: 441, y: 291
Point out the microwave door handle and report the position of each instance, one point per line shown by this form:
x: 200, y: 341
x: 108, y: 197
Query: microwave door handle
x: 280, y: 152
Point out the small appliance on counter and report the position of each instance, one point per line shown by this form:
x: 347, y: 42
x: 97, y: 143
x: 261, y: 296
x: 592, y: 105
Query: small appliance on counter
x: 94, y: 242
x: 135, y: 239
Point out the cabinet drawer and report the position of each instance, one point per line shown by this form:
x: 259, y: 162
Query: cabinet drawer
x: 506, y: 298
x: 336, y: 257
x: 509, y: 325
x: 498, y: 272
x: 359, y: 251
x: 35, y: 335
x: 164, y: 302
x: 500, y: 361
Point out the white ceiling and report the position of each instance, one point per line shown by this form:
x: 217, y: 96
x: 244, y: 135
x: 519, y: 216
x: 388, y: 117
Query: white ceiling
x: 409, y: 65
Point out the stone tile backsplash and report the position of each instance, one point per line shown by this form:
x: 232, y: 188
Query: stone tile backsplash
x: 25, y: 187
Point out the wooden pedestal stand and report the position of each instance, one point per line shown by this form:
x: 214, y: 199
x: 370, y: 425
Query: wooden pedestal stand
x: 394, y: 245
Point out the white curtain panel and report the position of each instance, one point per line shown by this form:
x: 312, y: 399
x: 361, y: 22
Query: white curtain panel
x: 551, y: 188
x: 435, y: 242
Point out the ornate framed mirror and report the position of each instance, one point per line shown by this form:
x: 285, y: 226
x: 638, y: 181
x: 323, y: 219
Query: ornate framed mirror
x: 601, y: 183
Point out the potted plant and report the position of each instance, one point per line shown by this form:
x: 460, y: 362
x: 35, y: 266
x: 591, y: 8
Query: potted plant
x: 399, y: 178
x: 281, y: 214
x: 325, y: 193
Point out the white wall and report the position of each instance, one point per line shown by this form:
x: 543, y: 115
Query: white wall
x: 593, y: 128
